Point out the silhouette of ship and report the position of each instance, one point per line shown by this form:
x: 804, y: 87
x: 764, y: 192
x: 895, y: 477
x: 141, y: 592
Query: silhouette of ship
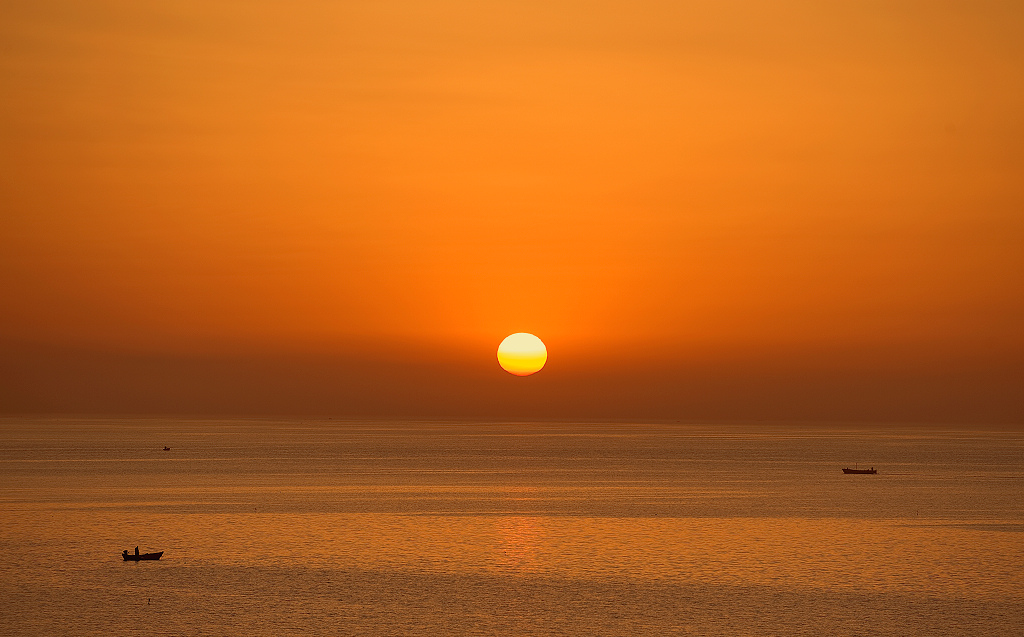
x: 135, y: 557
x: 871, y: 470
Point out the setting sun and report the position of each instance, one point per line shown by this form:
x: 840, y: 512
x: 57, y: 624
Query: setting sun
x: 522, y: 354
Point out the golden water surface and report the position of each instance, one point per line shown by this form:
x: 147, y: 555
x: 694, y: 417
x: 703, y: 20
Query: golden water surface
x: 534, y: 529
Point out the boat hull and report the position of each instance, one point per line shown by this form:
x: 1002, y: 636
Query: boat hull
x: 145, y: 556
x: 861, y: 471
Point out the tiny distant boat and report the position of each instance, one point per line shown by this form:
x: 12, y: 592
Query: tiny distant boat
x: 135, y: 557
x: 864, y: 471
x: 167, y: 448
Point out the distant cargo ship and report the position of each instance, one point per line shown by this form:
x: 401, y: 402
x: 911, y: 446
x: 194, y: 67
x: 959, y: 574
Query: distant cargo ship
x: 871, y: 470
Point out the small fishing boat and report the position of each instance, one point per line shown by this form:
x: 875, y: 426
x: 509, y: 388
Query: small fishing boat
x: 167, y: 448
x: 135, y: 557
x: 865, y: 471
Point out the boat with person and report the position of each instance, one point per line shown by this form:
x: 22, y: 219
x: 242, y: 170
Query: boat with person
x: 865, y: 471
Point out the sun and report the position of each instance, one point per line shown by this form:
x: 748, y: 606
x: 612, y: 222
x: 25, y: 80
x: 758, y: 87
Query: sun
x: 522, y: 354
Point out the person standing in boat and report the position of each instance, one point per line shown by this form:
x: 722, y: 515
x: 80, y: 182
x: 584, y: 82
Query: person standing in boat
x: 136, y: 551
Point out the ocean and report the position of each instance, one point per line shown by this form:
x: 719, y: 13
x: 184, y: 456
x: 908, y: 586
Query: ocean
x: 327, y: 527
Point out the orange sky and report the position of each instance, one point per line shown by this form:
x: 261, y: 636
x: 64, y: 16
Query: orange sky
x: 704, y: 209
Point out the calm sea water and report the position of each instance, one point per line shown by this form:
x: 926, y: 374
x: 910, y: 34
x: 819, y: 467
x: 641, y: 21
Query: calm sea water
x: 408, y: 528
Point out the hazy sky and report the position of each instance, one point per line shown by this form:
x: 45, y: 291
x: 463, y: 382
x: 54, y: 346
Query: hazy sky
x: 705, y: 209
